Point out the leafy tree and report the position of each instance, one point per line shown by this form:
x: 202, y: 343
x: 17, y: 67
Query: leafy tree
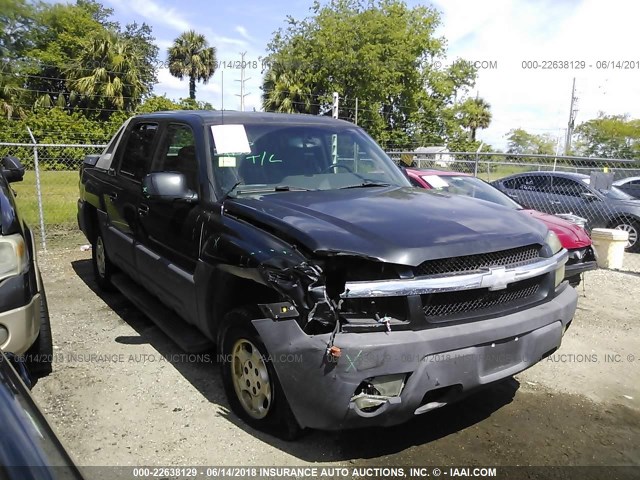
x: 286, y: 92
x: 16, y: 19
x: 613, y: 136
x: 142, y: 39
x: 522, y: 142
x: 113, y: 80
x: 379, y: 51
x: 57, y: 47
x: 474, y: 113
x: 59, y: 36
x: 156, y: 103
x: 191, y: 56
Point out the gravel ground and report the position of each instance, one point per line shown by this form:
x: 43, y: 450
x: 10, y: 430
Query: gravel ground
x: 123, y: 394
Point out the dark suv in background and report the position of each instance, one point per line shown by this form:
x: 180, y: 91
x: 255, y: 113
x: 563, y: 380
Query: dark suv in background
x: 25, y: 330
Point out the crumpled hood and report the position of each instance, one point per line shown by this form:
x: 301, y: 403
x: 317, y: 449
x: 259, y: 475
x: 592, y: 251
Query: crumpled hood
x: 571, y: 235
x: 391, y: 224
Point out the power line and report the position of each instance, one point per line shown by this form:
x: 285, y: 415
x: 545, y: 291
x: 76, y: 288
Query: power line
x: 242, y: 82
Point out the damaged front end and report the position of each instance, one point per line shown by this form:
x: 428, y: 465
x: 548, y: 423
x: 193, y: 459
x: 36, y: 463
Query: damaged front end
x: 319, y: 295
x: 362, y: 342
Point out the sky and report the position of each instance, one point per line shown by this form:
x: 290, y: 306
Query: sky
x: 505, y: 37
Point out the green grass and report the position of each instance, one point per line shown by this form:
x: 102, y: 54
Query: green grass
x: 59, y: 199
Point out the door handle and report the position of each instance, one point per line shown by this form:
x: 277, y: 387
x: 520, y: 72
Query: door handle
x: 113, y: 196
x: 555, y: 202
x: 143, y: 210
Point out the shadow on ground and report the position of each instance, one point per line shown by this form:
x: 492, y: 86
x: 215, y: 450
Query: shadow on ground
x: 314, y: 446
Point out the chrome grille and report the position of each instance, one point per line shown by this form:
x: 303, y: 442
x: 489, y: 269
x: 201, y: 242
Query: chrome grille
x: 453, y: 303
x: 471, y: 263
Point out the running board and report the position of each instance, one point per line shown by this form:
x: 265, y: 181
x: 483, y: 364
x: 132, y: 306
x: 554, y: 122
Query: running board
x: 186, y: 336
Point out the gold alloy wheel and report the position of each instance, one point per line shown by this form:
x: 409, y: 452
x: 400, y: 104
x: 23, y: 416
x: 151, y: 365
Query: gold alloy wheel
x: 101, y: 260
x: 250, y: 379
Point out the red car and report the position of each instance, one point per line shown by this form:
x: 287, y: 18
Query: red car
x: 573, y: 237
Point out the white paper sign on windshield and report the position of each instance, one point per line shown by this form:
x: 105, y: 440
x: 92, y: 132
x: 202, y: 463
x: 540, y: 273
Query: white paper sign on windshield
x: 435, y: 181
x: 230, y: 139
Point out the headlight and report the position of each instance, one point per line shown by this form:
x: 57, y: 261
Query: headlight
x: 13, y: 255
x: 554, y: 243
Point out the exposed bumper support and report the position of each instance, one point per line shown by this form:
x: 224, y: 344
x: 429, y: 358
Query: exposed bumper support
x: 495, y: 278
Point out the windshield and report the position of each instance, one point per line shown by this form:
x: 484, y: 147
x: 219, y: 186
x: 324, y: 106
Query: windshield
x: 614, y: 193
x: 469, y: 187
x: 297, y: 156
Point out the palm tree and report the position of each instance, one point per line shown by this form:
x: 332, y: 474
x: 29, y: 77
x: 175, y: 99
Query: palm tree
x: 107, y: 74
x: 191, y: 56
x: 285, y: 92
x: 474, y: 113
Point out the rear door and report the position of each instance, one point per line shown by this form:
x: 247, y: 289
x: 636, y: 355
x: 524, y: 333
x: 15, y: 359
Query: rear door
x: 169, y: 236
x: 132, y: 161
x: 530, y: 191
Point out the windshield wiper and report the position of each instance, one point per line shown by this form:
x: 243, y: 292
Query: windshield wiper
x: 263, y: 189
x: 367, y: 183
x: 228, y: 193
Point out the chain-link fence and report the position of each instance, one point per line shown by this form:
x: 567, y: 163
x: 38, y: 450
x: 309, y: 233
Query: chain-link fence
x: 604, y: 193
x: 579, y: 186
x: 47, y: 196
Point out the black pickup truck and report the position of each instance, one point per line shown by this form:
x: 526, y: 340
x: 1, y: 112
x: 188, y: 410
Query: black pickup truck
x: 337, y: 295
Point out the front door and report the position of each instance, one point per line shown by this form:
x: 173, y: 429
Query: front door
x: 169, y: 240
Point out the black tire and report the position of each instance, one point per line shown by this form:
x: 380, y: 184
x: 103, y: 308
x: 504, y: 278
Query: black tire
x: 273, y: 413
x: 633, y: 227
x: 102, y: 266
x: 40, y: 354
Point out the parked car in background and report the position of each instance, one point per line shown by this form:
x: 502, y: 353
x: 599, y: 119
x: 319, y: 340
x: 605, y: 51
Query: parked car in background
x: 24, y: 317
x: 573, y: 237
x: 563, y: 192
x: 630, y: 186
x: 29, y: 448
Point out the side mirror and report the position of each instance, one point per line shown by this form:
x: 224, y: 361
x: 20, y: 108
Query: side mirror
x: 91, y: 160
x: 12, y: 169
x: 167, y: 187
x: 589, y: 197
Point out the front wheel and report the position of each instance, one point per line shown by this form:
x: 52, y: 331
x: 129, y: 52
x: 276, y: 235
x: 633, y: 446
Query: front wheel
x: 250, y: 380
x: 102, y: 266
x: 632, y: 227
x: 40, y: 354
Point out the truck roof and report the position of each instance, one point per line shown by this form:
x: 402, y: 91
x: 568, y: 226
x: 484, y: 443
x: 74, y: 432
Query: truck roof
x: 232, y: 116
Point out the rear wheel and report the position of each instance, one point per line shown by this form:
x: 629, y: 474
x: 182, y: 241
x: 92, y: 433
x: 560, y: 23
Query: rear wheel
x: 102, y: 266
x: 250, y: 380
x: 632, y: 227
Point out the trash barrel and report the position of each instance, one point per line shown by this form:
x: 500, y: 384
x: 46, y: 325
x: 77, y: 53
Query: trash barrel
x: 609, y: 246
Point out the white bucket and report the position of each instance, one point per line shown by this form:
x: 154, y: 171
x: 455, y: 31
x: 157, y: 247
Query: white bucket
x: 609, y: 246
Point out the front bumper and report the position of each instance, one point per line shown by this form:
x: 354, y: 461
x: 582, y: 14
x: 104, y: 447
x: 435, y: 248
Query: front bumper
x: 580, y: 260
x: 23, y: 324
x: 463, y: 356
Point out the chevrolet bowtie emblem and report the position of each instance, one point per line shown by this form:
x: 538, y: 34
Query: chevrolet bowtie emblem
x: 498, y: 278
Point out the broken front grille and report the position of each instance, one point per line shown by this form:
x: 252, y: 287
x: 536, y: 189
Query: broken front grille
x: 442, y: 306
x: 471, y: 263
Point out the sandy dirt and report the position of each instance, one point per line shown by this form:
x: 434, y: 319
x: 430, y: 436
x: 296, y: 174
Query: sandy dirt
x: 123, y: 394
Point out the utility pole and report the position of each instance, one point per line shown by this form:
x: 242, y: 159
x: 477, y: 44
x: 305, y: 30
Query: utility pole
x: 334, y: 110
x: 356, y: 110
x: 242, y: 80
x: 573, y: 111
